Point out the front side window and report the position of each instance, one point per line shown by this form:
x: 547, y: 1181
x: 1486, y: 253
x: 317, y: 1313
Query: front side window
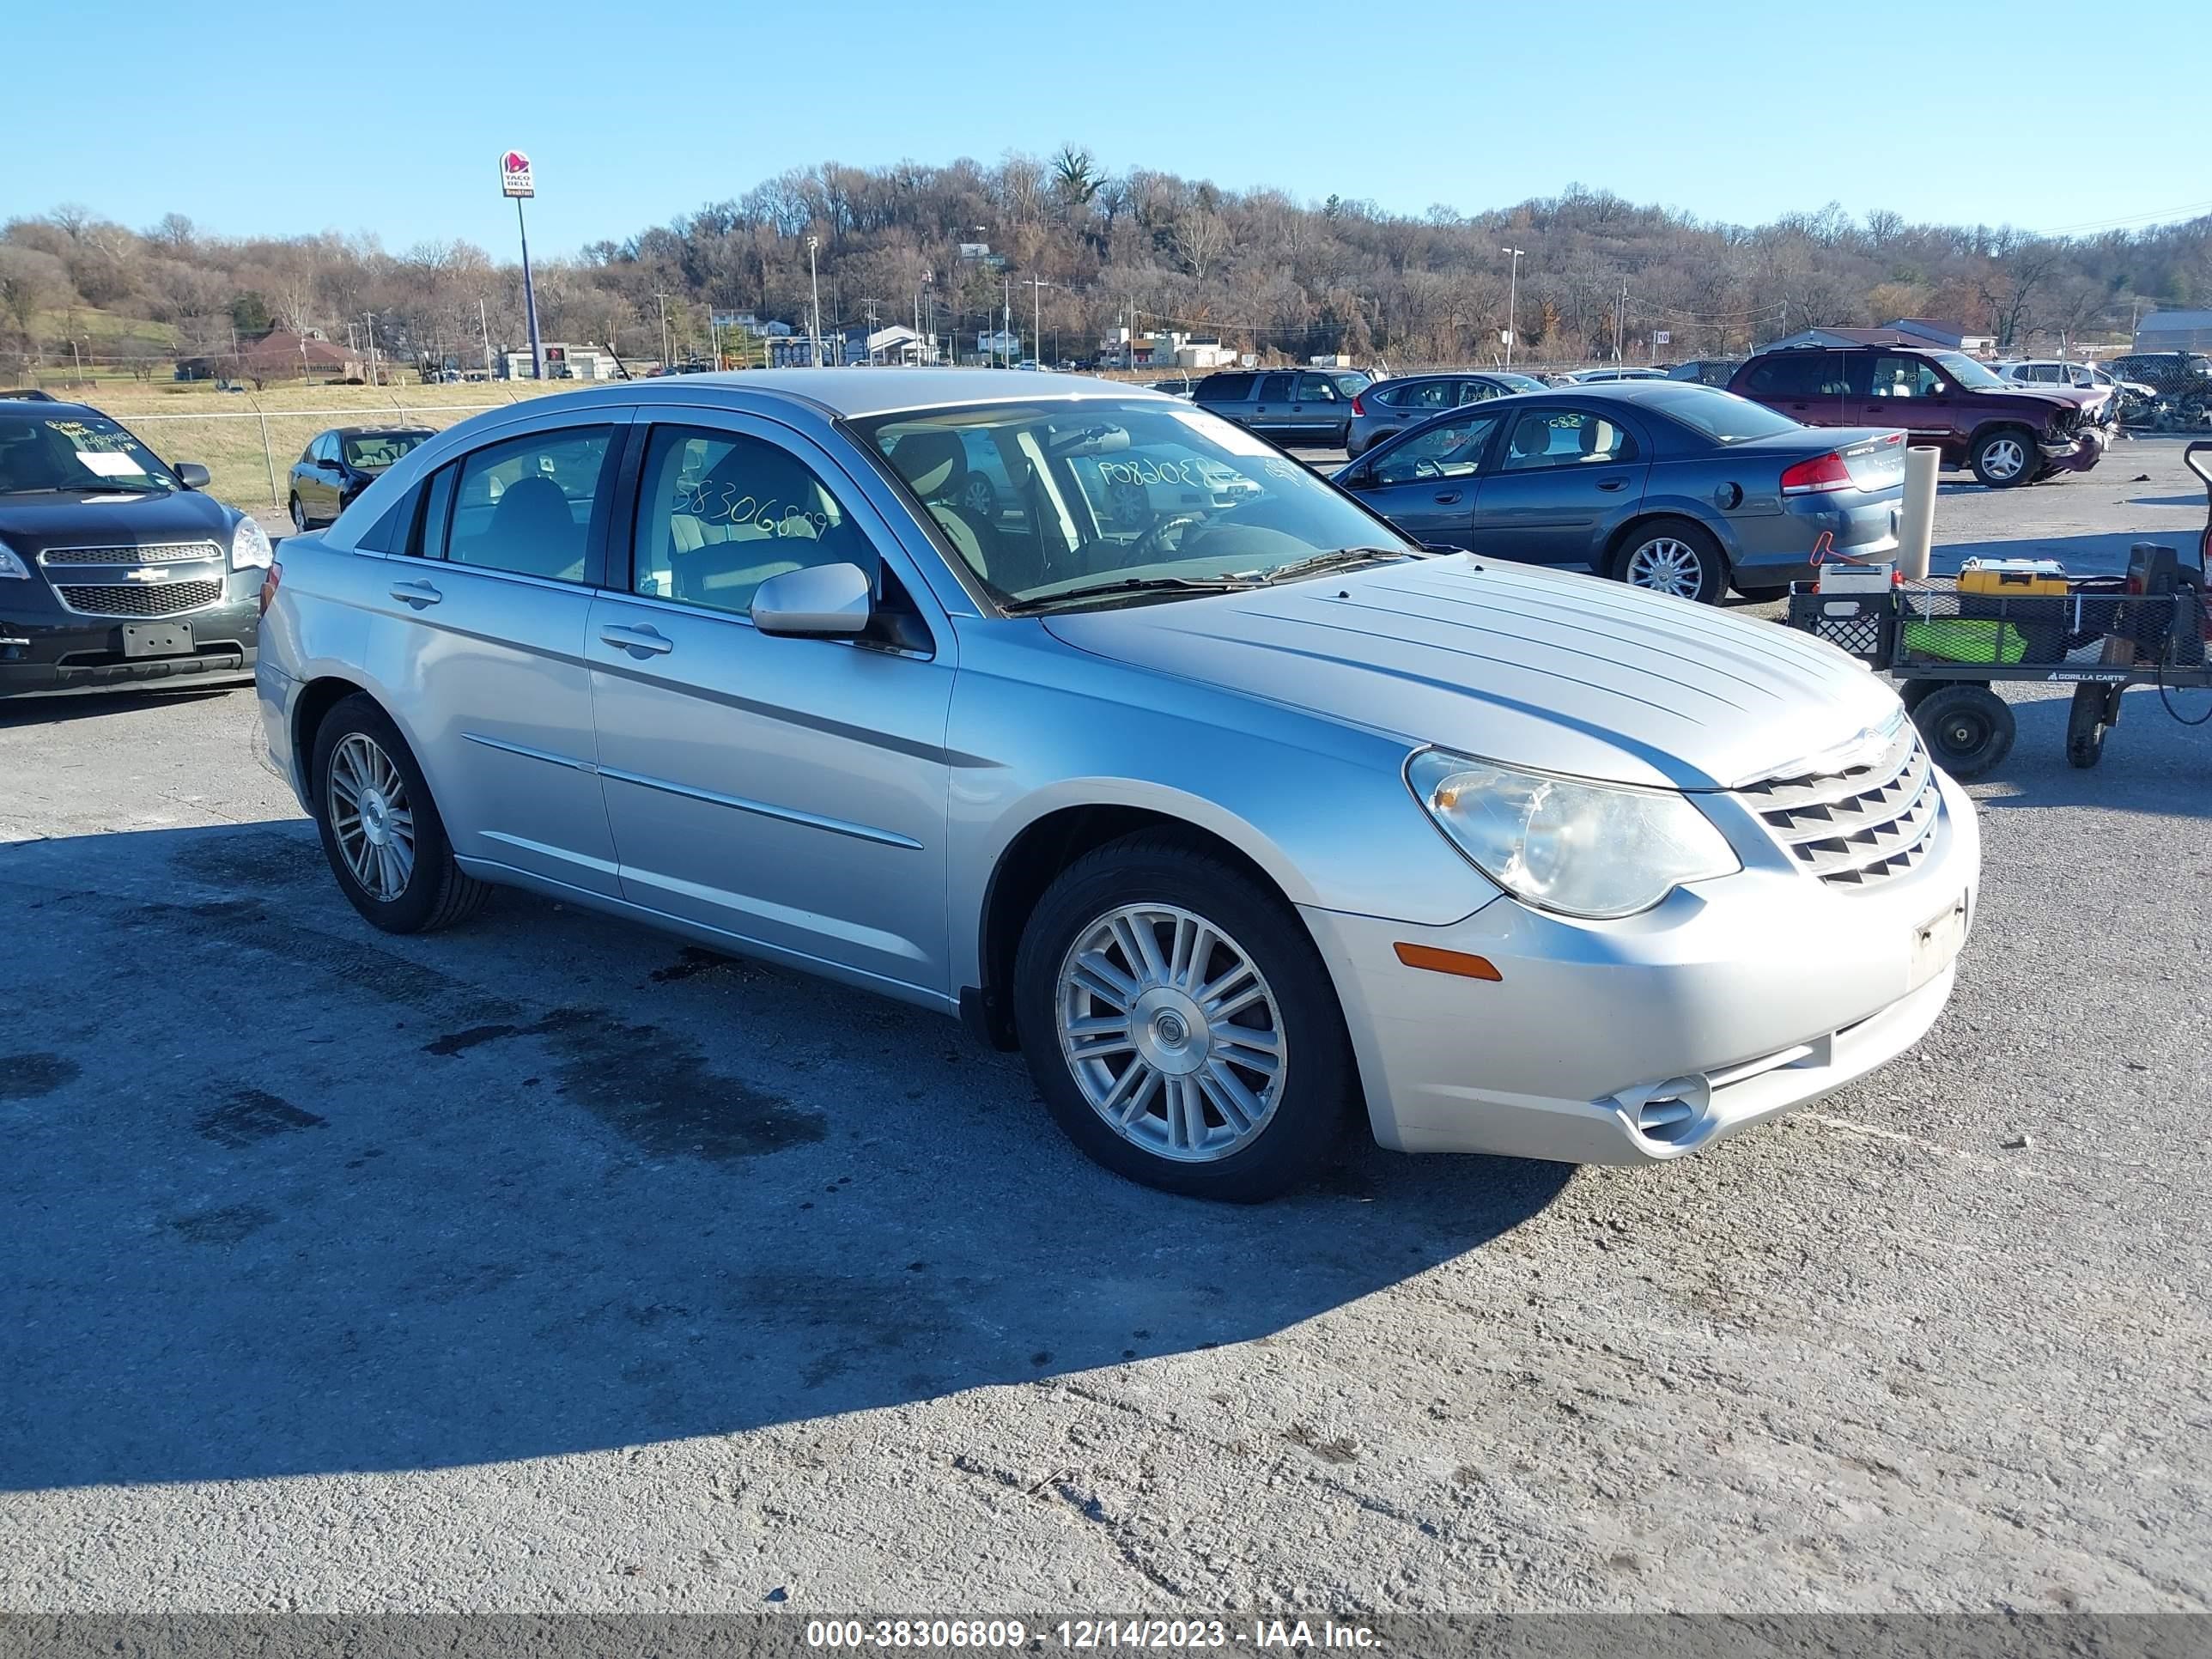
x: 76, y: 453
x: 1452, y: 450
x: 1274, y: 389
x: 1563, y: 437
x: 1904, y: 377
x: 1102, y: 490
x: 720, y: 513
x: 525, y: 505
x: 1317, y: 389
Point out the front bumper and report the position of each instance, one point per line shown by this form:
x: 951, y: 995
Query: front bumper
x: 45, y: 652
x: 1637, y: 1040
x: 2078, y: 454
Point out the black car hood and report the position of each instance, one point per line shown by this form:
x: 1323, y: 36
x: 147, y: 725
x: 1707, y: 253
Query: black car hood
x: 32, y: 522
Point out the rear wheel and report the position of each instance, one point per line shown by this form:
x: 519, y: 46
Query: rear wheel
x: 2005, y: 457
x: 1969, y: 727
x: 380, y: 830
x: 1673, y: 556
x: 981, y: 497
x: 1180, y: 1023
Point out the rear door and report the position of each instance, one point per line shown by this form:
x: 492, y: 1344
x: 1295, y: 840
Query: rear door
x: 1270, y: 407
x: 1566, y: 476
x: 481, y: 623
x: 790, y: 792
x: 1427, y: 482
x: 1811, y: 387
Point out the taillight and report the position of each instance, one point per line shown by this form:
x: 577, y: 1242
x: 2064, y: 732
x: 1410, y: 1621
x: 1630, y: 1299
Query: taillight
x: 269, y: 578
x: 1822, y: 473
x: 1358, y: 403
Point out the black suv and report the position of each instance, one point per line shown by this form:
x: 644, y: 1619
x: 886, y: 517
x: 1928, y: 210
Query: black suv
x: 114, y: 569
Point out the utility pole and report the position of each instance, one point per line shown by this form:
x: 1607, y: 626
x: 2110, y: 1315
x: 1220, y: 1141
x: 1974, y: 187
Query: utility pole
x: 1006, y: 303
x: 1036, y: 287
x: 1620, y: 322
x: 1512, y: 301
x: 370, y: 316
x: 483, y: 322
x: 814, y: 278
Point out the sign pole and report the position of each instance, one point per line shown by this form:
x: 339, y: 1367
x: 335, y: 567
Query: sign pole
x: 530, y: 298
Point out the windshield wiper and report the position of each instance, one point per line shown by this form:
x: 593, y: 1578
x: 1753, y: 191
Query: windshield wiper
x: 105, y: 488
x: 1131, y: 585
x: 1340, y: 557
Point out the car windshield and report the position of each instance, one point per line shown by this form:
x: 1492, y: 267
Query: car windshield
x: 1518, y: 382
x: 1967, y: 372
x: 1721, y: 415
x: 371, y: 451
x: 87, y: 452
x: 1039, y: 498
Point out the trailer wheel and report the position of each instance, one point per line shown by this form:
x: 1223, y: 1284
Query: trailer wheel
x: 1912, y: 691
x: 2087, y: 723
x: 1968, y: 725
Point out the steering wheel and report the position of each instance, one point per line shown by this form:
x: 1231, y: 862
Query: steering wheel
x: 1149, y: 540
x: 1425, y: 468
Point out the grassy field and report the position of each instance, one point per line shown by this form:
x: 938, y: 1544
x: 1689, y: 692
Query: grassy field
x: 243, y: 440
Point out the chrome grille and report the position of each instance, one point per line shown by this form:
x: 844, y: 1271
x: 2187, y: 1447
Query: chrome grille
x: 140, y: 600
x: 1863, y: 821
x: 160, y: 553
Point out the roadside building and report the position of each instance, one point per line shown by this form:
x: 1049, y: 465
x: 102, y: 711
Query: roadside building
x: 563, y: 361
x: 2175, y: 330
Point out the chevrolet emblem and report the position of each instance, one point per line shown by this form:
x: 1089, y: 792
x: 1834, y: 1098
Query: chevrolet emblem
x: 152, y: 573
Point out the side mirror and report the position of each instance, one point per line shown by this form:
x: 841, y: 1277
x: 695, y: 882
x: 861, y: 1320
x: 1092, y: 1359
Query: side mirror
x: 835, y: 600
x: 1355, y: 478
x: 190, y: 474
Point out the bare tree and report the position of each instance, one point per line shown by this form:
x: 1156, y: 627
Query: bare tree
x: 30, y: 282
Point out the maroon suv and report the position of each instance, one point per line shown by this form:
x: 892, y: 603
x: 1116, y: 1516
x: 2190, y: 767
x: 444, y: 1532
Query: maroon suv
x: 2009, y: 434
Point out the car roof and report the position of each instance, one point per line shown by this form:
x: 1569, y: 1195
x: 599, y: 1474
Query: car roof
x: 51, y: 408
x: 854, y: 392
x: 374, y: 431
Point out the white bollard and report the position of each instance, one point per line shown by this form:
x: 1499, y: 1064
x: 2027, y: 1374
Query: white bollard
x: 1916, y: 530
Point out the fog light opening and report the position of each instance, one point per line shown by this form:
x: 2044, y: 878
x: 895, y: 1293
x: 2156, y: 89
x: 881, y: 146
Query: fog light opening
x: 1669, y: 1111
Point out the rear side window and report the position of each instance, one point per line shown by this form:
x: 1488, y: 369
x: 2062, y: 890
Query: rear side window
x: 526, y: 505
x: 1797, y: 374
x: 1426, y: 395
x: 1564, y: 437
x: 1224, y: 388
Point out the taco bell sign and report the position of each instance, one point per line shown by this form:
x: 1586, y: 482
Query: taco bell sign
x: 514, y: 174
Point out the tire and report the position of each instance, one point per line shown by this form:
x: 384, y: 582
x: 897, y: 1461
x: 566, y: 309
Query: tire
x: 419, y: 893
x: 980, y: 496
x: 1294, y: 1111
x: 2005, y: 457
x: 1968, y: 728
x: 1675, y: 551
x: 1912, y: 691
x: 299, y: 517
x: 2085, y: 725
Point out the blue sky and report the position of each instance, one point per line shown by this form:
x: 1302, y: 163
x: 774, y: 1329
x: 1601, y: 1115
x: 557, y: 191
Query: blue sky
x: 394, y: 115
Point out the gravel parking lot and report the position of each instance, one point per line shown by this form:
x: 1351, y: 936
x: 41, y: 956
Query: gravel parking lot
x: 548, y: 1264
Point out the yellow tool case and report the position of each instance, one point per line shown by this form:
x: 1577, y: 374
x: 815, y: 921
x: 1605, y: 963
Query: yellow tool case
x: 2012, y: 578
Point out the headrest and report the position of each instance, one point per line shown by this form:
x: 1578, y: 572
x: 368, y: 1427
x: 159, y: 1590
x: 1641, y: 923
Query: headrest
x: 933, y: 461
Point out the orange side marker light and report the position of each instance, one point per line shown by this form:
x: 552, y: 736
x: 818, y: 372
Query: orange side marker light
x: 1447, y: 962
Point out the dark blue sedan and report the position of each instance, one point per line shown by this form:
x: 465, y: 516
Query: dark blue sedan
x: 1664, y: 485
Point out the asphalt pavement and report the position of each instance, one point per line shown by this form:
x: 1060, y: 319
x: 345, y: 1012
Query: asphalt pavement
x: 549, y: 1264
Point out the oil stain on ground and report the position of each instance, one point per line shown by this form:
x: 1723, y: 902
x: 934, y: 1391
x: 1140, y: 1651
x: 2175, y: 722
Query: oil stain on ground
x: 26, y: 1076
x: 252, y: 1114
x: 653, y: 1088
x: 231, y: 1225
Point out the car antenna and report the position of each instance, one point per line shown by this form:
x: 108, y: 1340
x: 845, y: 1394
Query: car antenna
x: 621, y: 368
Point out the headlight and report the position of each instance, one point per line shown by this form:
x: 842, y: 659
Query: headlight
x: 1582, y: 849
x: 249, y: 547
x: 11, y: 566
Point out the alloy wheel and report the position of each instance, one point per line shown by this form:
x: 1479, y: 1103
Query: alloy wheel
x: 299, y: 516
x: 371, y: 817
x: 2004, y: 458
x: 1666, y: 564
x: 1172, y: 1032
x: 979, y: 497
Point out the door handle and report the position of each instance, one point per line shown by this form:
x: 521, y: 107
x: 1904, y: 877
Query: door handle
x: 417, y: 594
x: 641, y: 642
x: 1612, y: 483
x: 1447, y: 498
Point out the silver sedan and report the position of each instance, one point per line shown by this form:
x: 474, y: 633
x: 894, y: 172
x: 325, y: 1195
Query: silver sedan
x: 1240, y: 816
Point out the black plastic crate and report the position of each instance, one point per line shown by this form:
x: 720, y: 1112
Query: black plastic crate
x: 1863, y: 624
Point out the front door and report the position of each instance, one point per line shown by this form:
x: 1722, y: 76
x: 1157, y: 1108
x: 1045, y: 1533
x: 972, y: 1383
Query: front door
x: 789, y: 792
x: 1427, y: 482
x: 1564, y: 479
x: 482, y: 622
x: 1319, y: 412
x: 1899, y: 390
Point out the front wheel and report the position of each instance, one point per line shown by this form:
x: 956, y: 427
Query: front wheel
x: 2005, y: 457
x: 1671, y: 555
x: 379, y: 829
x: 1180, y: 1023
x: 1969, y: 727
x: 299, y: 516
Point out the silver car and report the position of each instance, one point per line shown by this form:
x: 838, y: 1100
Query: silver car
x: 1238, y: 820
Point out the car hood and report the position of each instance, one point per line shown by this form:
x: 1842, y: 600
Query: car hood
x: 1535, y: 668
x: 31, y: 523
x: 2048, y: 397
